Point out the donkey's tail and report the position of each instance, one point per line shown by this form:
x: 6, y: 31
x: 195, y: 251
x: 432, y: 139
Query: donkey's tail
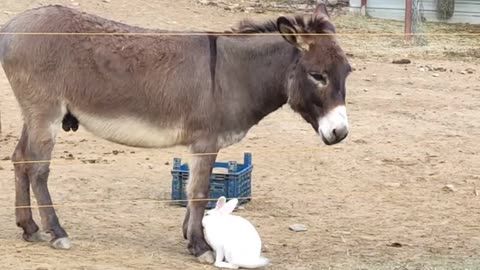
x: 2, y: 53
x: 5, y: 39
x: 3, y: 42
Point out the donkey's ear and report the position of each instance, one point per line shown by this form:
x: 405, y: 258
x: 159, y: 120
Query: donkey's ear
x: 290, y: 33
x: 220, y: 202
x: 229, y: 207
x: 321, y: 12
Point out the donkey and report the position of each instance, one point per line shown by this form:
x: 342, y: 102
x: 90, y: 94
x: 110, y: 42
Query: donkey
x: 202, y: 91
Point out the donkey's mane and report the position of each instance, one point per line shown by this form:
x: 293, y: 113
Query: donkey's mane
x: 305, y: 24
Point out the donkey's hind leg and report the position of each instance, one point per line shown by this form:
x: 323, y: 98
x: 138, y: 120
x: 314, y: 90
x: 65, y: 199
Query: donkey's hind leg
x: 23, y: 212
x: 41, y: 140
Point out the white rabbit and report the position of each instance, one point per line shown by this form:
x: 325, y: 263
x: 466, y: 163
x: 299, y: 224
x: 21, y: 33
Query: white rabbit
x: 232, y: 237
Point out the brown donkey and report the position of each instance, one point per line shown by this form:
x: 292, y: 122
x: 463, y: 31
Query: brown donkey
x: 204, y: 91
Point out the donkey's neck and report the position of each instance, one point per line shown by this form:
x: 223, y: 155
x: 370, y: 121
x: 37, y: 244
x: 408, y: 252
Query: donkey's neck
x: 257, y: 71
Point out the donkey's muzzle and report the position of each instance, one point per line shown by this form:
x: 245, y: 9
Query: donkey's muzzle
x: 333, y: 127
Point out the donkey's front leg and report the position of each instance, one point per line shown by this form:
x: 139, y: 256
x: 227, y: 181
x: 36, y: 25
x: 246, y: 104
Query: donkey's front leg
x: 198, y: 186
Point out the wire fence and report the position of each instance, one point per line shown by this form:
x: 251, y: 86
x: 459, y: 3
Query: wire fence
x: 144, y: 201
x: 227, y: 34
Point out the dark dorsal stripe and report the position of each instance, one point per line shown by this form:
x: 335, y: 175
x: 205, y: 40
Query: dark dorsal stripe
x: 212, y: 39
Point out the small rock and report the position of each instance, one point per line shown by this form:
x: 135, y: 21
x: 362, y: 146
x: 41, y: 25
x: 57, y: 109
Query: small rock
x: 441, y: 69
x: 470, y: 70
x: 132, y: 152
x: 368, y: 79
x: 395, y: 244
x: 41, y: 268
x: 209, y: 3
x: 435, y: 75
x: 150, y: 167
x: 402, y: 61
x: 463, y: 72
x: 297, y: 227
x: 106, y: 1
x: 449, y: 188
x: 365, y: 90
x: 167, y: 163
x: 395, y: 185
x: 115, y: 152
x: 398, y: 94
x: 421, y: 69
x: 475, y: 191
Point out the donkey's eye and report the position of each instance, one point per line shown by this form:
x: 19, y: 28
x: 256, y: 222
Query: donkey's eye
x: 319, y: 77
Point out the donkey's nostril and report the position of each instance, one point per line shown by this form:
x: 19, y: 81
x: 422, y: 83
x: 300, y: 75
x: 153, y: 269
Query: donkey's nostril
x: 340, y: 133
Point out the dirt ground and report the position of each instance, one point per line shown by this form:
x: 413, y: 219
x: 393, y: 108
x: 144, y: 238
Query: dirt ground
x: 375, y: 201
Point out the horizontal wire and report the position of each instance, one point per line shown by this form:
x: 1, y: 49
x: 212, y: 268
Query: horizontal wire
x: 62, y: 160
x: 227, y: 34
x: 126, y: 202
x: 136, y: 201
x: 87, y: 159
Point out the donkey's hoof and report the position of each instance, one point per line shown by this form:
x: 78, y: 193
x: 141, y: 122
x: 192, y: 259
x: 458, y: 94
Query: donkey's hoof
x: 206, y: 258
x: 36, y: 237
x: 61, y: 243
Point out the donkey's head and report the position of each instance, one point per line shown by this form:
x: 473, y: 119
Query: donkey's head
x: 316, y: 80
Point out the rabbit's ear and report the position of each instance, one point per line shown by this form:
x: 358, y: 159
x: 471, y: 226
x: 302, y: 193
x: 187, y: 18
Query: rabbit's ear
x: 220, y: 202
x: 229, y: 207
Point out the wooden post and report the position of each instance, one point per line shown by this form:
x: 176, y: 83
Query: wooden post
x: 363, y: 8
x: 408, y: 19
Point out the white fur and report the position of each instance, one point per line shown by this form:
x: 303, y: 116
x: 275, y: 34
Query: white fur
x: 62, y: 243
x: 129, y: 131
x: 336, y: 119
x: 57, y: 123
x: 230, y: 138
x: 233, y: 238
x: 38, y: 236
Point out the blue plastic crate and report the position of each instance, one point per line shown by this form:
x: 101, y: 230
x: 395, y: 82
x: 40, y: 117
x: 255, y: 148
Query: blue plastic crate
x: 233, y: 184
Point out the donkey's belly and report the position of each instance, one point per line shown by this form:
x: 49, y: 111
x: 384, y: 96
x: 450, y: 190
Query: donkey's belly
x: 130, y: 131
